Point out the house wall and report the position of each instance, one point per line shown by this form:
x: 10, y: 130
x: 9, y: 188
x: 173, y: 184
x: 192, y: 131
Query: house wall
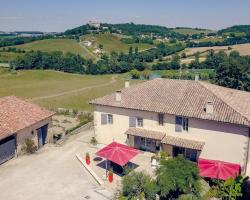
x: 223, y: 141
x: 30, y: 133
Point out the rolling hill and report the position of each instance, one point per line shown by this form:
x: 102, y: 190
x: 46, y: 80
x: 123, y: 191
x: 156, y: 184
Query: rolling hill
x: 112, y: 42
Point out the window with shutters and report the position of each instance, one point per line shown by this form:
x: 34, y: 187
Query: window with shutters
x: 181, y: 124
x: 139, y: 122
x: 161, y: 119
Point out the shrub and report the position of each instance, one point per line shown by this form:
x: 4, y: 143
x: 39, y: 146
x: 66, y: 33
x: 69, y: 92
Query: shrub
x: 30, y: 146
x: 231, y: 188
x: 93, y: 141
x: 135, y: 74
x: 146, y: 74
x: 136, y: 184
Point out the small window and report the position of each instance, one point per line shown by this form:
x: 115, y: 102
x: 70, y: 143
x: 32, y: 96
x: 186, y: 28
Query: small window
x: 161, y: 119
x: 140, y: 122
x: 110, y: 119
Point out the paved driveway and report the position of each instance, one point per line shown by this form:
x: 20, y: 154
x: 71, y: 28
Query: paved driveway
x: 52, y: 173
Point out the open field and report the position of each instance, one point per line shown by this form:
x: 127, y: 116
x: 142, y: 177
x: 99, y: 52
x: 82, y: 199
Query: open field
x: 189, y: 31
x: 57, y: 89
x: 111, y: 42
x: 64, y: 45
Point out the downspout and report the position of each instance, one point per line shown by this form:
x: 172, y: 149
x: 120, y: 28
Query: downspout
x: 248, y: 145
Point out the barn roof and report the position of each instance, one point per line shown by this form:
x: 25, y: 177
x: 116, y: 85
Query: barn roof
x: 17, y: 114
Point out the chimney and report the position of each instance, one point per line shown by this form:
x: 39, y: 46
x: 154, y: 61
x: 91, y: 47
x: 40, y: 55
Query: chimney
x: 210, y: 107
x: 197, y: 77
x: 118, y: 95
x: 127, y: 84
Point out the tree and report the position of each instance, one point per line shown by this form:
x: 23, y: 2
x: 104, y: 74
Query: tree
x: 233, y: 74
x: 136, y: 50
x: 178, y: 176
x: 138, y: 184
x: 130, y: 52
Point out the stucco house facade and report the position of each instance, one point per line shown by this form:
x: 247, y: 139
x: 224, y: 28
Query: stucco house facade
x: 193, y: 118
x: 21, y: 120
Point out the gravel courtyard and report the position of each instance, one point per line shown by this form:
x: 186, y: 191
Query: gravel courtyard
x: 52, y: 173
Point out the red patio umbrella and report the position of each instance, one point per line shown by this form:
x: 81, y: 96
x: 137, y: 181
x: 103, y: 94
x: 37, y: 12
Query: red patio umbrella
x: 218, y: 169
x: 118, y: 153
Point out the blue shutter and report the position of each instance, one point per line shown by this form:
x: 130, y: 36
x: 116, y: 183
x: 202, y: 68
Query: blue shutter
x: 178, y: 124
x: 132, y: 121
x: 104, y: 119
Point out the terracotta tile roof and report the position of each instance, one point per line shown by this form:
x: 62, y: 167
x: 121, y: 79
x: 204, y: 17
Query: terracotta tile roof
x: 145, y: 133
x: 17, y: 114
x: 185, y: 143
x: 184, y: 98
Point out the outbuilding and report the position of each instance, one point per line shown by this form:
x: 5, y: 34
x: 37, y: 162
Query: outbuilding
x: 21, y: 120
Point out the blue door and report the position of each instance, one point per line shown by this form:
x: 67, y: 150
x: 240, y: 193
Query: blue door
x: 42, y: 135
x: 7, y: 149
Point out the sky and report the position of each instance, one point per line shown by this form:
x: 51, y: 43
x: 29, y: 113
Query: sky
x: 59, y: 15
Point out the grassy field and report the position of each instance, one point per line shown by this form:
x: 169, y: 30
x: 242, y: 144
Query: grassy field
x: 64, y: 45
x: 187, y: 31
x: 57, y: 89
x: 111, y: 42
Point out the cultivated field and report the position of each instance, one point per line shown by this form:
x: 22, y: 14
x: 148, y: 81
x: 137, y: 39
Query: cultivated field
x: 111, y: 42
x: 64, y: 45
x: 57, y: 89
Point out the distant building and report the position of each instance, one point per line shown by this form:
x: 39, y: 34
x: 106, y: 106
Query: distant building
x: 87, y: 43
x: 94, y: 24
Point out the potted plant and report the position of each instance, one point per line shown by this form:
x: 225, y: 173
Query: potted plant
x: 93, y: 141
x: 110, y: 176
x: 87, y: 158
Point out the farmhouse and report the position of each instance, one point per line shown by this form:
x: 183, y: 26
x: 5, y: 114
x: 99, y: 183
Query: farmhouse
x: 200, y: 120
x: 21, y: 120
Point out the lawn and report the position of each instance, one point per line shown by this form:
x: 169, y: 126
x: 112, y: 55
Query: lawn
x: 64, y: 45
x: 57, y: 89
x: 112, y: 42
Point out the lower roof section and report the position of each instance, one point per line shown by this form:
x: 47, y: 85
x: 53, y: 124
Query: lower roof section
x: 156, y: 135
x: 166, y: 139
x: 185, y: 143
